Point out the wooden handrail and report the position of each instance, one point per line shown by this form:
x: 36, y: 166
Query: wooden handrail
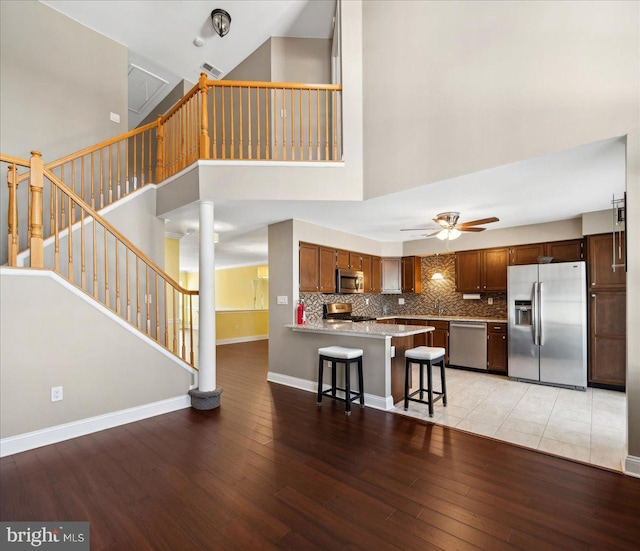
x: 178, y: 105
x: 277, y: 85
x: 92, y: 213
x: 14, y: 160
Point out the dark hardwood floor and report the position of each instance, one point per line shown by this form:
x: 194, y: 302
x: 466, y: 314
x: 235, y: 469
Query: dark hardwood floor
x: 271, y: 470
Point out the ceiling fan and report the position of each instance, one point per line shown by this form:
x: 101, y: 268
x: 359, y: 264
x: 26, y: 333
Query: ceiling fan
x: 451, y: 229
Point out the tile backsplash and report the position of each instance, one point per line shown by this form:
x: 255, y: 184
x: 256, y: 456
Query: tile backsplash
x: 434, y: 292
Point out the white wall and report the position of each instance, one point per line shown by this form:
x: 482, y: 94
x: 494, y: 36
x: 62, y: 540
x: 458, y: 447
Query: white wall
x: 102, y: 366
x: 458, y: 87
x: 60, y: 80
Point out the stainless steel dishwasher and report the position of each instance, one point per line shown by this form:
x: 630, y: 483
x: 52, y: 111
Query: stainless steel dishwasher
x: 468, y: 344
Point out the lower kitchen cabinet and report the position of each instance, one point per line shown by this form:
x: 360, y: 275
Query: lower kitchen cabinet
x: 439, y: 337
x: 497, y: 349
x: 607, y: 338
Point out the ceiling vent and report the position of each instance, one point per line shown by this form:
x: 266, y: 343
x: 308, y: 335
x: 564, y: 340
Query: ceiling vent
x: 213, y: 71
x: 143, y: 87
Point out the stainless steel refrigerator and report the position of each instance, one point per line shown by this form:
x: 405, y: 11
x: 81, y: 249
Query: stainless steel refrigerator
x: 548, y: 323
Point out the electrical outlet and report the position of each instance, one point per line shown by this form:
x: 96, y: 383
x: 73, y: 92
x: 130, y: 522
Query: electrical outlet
x: 283, y: 113
x: 400, y: 301
x: 147, y: 299
x: 56, y: 393
x: 283, y: 299
x: 114, y: 117
x: 490, y: 301
x: 366, y: 301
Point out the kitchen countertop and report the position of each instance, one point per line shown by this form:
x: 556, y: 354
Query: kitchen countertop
x: 447, y: 318
x: 369, y: 329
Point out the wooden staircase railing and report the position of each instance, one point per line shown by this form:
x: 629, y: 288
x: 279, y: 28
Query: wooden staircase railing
x: 65, y: 234
x: 219, y: 120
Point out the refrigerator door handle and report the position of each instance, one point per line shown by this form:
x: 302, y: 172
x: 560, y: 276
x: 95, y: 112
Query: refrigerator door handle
x: 534, y: 312
x: 540, y: 333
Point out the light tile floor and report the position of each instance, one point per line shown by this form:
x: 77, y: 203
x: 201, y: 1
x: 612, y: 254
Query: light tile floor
x: 587, y: 426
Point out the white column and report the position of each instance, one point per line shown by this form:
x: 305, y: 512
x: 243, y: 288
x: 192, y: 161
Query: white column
x: 207, y: 337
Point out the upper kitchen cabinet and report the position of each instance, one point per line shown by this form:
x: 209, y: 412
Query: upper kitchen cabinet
x: 526, y: 254
x: 372, y: 273
x: 327, y: 270
x: 411, y: 274
x: 391, y: 275
x: 601, y: 250
x: 571, y: 250
x: 309, y: 268
x: 376, y: 274
x: 468, y: 269
x: 482, y: 271
x: 317, y: 269
x: 342, y: 259
x: 494, y: 269
x: 355, y: 261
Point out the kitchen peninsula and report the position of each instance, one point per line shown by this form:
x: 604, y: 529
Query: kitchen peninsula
x: 383, y: 345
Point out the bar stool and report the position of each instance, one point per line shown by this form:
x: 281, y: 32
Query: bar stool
x: 347, y: 356
x: 425, y: 356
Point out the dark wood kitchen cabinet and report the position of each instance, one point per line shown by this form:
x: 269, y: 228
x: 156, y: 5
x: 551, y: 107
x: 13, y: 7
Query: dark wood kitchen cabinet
x: 607, y: 342
x: 342, y: 259
x: 439, y: 336
x: 468, y: 270
x: 317, y: 269
x: 482, y: 271
x: 355, y: 261
x: 411, y: 274
x: 372, y: 273
x: 571, y: 250
x: 376, y: 274
x: 607, y: 312
x: 526, y: 254
x: 494, y: 269
x: 327, y: 270
x: 497, y: 349
x: 309, y: 265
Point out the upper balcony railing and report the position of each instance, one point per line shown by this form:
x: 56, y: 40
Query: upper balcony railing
x: 215, y: 120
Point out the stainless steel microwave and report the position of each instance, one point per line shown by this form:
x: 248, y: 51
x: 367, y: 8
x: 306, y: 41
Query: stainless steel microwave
x: 349, y: 281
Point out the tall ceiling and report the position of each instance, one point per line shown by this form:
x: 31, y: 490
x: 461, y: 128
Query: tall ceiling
x: 159, y: 35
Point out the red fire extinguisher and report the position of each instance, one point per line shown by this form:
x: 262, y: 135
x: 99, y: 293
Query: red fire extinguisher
x: 302, y: 313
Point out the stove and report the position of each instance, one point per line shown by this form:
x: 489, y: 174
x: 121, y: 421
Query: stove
x: 341, y: 311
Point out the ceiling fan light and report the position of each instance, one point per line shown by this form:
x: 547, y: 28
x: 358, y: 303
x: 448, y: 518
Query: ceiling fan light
x: 221, y: 21
x: 442, y: 235
x: 454, y: 233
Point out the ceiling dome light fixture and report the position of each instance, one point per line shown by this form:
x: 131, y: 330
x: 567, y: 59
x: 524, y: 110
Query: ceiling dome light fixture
x: 448, y: 234
x: 221, y: 21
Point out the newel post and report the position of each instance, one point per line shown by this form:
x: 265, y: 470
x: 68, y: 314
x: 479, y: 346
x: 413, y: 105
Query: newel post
x: 160, y: 151
x: 203, y: 142
x: 36, y: 184
x: 12, y: 216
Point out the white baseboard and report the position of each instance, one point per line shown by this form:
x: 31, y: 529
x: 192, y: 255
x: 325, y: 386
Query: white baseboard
x: 370, y: 400
x: 242, y: 339
x: 632, y: 466
x: 59, y: 433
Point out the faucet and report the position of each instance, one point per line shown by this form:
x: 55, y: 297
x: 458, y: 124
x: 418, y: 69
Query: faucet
x: 438, y: 307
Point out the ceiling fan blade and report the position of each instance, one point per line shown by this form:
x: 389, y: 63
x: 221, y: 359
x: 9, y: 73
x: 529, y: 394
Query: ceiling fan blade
x: 428, y: 235
x: 471, y: 229
x: 478, y: 222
